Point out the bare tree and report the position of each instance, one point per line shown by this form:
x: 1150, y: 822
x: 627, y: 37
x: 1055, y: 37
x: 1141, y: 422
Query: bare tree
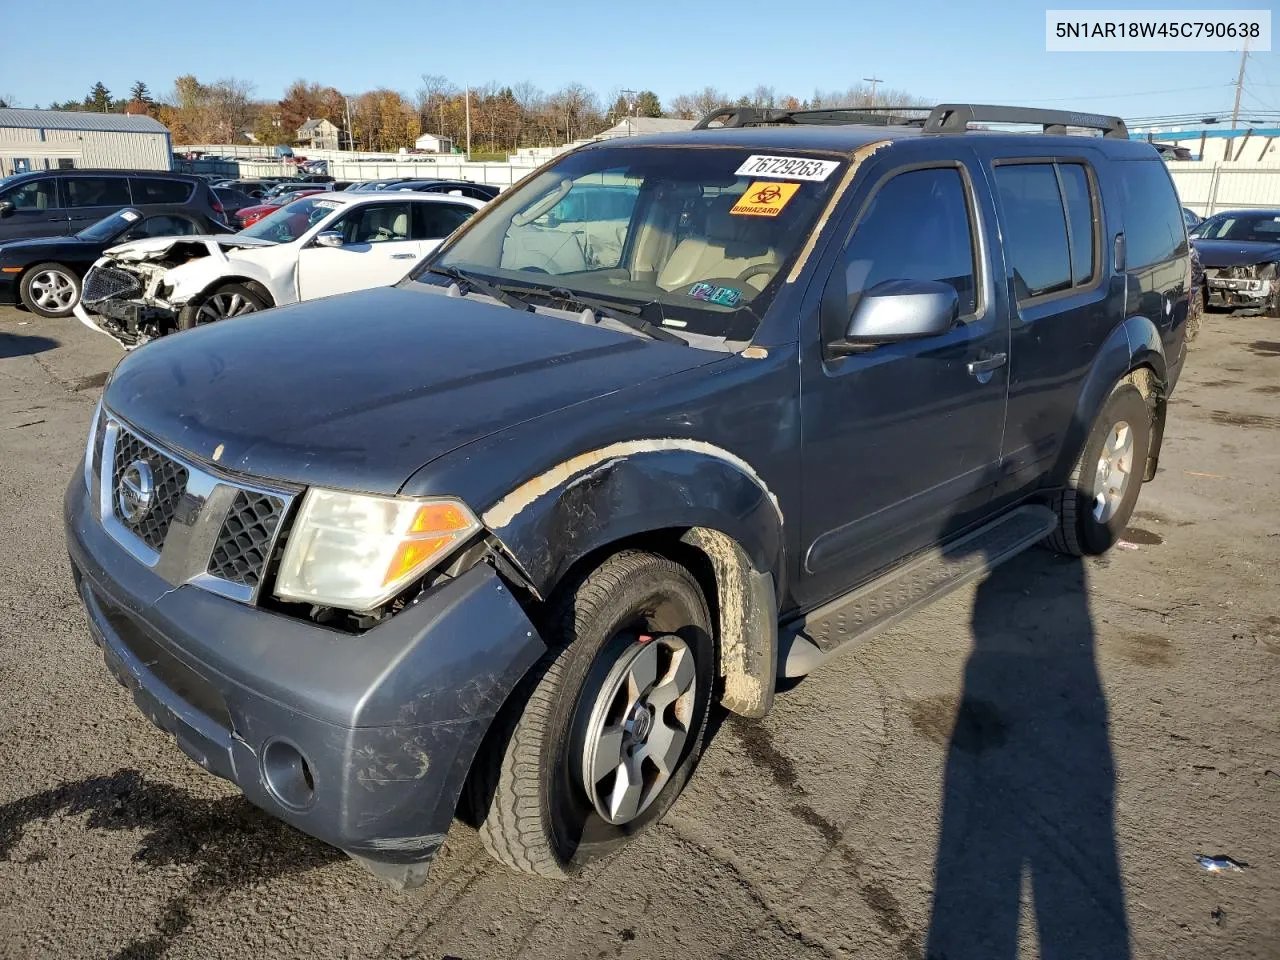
x: 695, y: 106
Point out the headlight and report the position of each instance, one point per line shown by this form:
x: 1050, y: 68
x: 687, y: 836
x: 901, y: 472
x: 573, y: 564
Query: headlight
x: 355, y: 552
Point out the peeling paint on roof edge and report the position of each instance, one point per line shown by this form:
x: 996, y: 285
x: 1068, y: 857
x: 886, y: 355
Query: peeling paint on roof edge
x: 505, y: 510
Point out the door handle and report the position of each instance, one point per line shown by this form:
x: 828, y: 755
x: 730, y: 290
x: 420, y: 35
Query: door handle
x: 994, y: 362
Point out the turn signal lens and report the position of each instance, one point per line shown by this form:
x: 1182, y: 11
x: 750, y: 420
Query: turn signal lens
x: 356, y: 552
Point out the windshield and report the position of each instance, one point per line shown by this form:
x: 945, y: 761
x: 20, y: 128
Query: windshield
x: 290, y: 222
x: 700, y: 237
x: 1258, y: 229
x: 109, y: 227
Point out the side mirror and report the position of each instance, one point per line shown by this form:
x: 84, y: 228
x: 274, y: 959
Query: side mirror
x: 900, y: 310
x: 329, y: 238
x: 6, y: 208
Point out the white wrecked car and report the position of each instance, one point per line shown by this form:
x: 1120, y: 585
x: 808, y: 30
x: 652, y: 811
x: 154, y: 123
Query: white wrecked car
x: 314, y: 247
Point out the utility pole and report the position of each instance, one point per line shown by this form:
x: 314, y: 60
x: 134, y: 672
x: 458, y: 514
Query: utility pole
x: 874, y: 81
x: 630, y: 97
x: 1235, y: 109
x: 468, y: 123
x: 351, y: 139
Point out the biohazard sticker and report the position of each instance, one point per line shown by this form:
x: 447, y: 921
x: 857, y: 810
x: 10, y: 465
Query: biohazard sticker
x: 763, y: 199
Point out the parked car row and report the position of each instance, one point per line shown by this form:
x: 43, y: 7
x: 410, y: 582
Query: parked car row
x: 315, y: 246
x: 54, y: 225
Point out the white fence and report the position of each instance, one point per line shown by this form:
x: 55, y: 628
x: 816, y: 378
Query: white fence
x: 1208, y: 186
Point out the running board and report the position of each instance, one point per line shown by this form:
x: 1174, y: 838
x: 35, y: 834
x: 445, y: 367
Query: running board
x: 808, y: 643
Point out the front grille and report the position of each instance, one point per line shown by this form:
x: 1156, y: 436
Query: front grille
x: 169, y: 478
x: 244, y: 543
x: 104, y: 283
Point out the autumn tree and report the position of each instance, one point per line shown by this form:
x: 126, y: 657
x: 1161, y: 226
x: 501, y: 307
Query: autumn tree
x: 384, y: 120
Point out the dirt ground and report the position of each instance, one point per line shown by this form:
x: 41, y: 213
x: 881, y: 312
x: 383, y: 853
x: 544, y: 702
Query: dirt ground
x: 1029, y: 768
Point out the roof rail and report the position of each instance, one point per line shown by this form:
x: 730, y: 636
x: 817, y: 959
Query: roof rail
x: 956, y: 117
x: 759, y: 116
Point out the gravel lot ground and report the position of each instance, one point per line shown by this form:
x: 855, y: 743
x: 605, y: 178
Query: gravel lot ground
x: 1028, y: 768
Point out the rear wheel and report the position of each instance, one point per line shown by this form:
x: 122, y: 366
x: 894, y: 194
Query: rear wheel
x: 604, y: 732
x: 1095, y: 507
x: 50, y: 290
x: 230, y: 300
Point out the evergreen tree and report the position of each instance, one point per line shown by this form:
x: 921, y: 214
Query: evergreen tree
x: 99, y: 99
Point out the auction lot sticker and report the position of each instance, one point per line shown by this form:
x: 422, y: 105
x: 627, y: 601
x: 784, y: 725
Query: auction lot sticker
x: 786, y: 168
x: 764, y: 199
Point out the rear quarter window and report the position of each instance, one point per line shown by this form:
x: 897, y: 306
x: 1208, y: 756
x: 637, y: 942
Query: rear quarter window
x: 152, y: 190
x: 1153, y: 226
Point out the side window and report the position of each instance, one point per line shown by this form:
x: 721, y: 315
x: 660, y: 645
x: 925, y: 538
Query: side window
x: 1035, y: 228
x: 376, y: 223
x: 97, y: 191
x: 1076, y: 193
x: 916, y: 228
x: 39, y: 194
x: 153, y: 190
x: 435, y: 221
x: 162, y: 226
x: 1153, y: 227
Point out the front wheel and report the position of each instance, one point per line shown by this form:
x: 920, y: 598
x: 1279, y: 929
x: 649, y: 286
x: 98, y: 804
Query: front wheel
x: 1095, y: 507
x: 230, y: 300
x: 604, y: 732
x: 50, y: 290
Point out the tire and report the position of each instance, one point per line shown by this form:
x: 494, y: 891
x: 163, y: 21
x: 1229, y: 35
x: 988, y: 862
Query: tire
x: 50, y: 290
x: 527, y: 785
x: 228, y: 300
x: 1086, y: 525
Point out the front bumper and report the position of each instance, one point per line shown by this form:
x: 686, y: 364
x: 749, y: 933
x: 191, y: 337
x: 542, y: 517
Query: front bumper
x: 363, y: 742
x: 1232, y: 292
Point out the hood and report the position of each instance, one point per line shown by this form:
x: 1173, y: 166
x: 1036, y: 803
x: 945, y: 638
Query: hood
x: 360, y: 391
x: 40, y: 243
x: 153, y: 248
x: 1235, y: 253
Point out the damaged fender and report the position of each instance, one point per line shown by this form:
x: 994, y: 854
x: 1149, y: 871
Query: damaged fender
x: 552, y: 521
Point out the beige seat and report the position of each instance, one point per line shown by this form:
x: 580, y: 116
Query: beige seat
x: 400, y: 227
x: 730, y: 246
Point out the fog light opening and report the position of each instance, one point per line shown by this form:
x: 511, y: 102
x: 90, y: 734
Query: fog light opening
x: 288, y: 775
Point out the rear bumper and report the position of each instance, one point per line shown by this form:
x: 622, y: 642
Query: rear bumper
x: 363, y: 742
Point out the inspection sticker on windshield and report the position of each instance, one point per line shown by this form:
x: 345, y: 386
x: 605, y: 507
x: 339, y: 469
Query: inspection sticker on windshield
x: 326, y: 204
x: 763, y: 199
x: 788, y: 168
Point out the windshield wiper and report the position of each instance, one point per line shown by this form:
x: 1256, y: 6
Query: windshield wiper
x: 502, y: 295
x: 626, y: 314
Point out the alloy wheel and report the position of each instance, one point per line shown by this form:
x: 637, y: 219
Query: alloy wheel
x: 1115, y: 468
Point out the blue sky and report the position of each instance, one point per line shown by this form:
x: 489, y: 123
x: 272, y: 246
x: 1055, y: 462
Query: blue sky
x: 954, y: 50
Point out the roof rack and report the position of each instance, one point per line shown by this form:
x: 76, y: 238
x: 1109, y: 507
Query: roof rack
x: 944, y: 118
x: 760, y: 116
x: 956, y: 117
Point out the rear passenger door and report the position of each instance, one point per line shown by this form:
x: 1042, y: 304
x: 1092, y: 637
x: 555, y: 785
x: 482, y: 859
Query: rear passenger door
x: 901, y: 441
x: 91, y: 198
x: 1052, y: 223
x: 37, y: 210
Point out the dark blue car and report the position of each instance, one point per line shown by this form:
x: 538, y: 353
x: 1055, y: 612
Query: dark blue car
x: 674, y: 418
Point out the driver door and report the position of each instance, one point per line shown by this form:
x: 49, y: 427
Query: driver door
x: 377, y: 250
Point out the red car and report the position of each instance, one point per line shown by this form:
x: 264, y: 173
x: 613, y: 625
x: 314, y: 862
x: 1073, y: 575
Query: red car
x: 251, y: 215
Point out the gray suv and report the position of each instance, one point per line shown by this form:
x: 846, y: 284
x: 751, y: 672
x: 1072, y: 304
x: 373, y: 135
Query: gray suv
x: 593, y: 470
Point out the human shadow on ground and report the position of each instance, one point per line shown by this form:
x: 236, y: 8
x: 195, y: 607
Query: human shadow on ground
x: 1029, y: 793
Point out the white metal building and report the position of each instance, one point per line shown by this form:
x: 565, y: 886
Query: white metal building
x: 48, y: 139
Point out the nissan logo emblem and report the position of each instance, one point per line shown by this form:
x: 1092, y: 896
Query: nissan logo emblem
x: 137, y: 491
